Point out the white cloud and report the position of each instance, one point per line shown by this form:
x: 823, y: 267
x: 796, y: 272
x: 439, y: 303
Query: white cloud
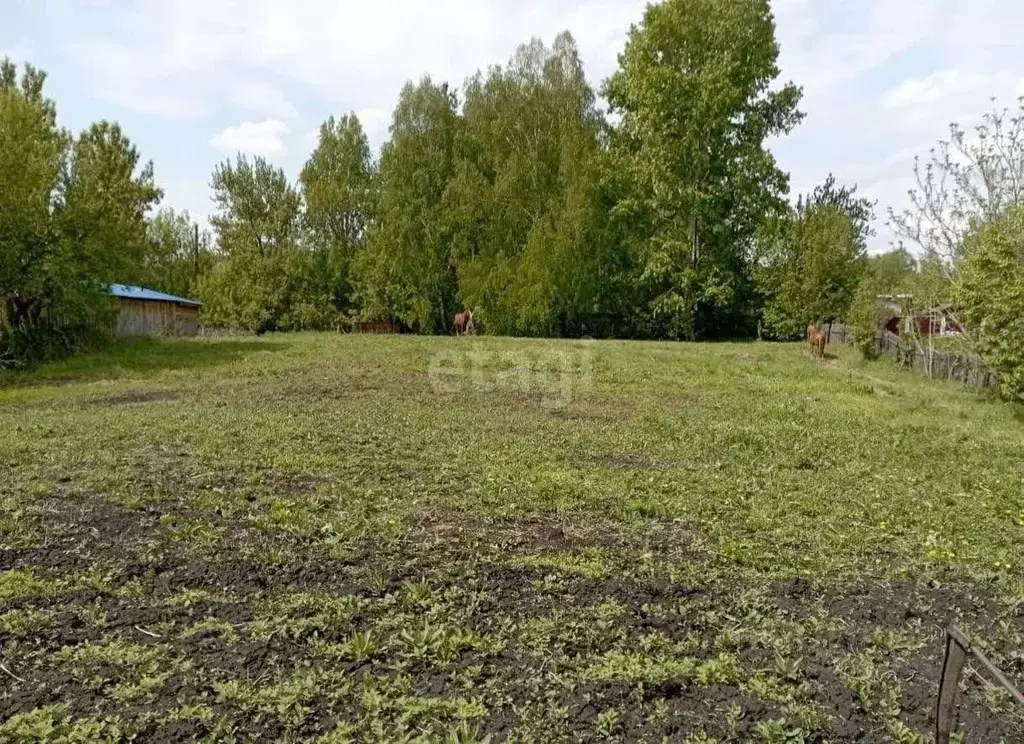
x: 199, y: 53
x: 312, y: 138
x: 262, y: 98
x: 882, y: 78
x: 950, y: 86
x: 949, y: 95
x: 264, y: 138
x: 829, y: 42
x: 118, y: 74
x: 20, y: 52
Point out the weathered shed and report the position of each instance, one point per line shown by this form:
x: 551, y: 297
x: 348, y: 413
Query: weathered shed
x: 900, y: 316
x: 146, y: 312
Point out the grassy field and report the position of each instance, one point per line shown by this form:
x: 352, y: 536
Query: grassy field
x: 330, y: 538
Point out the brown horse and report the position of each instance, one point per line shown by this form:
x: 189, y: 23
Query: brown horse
x: 463, y: 324
x: 817, y: 340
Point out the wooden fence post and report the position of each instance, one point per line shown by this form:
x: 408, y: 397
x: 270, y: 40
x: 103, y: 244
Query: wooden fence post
x: 952, y: 667
x: 957, y: 647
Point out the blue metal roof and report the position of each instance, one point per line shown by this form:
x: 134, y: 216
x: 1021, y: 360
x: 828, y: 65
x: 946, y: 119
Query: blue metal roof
x: 141, y: 293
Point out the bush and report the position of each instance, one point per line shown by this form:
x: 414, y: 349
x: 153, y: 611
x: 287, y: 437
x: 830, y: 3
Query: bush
x: 21, y: 347
x: 809, y: 267
x: 991, y: 294
x: 78, y: 317
x: 865, y: 320
x: 277, y: 292
x: 72, y: 220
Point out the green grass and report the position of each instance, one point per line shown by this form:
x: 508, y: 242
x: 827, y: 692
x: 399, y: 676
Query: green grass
x: 139, y: 357
x: 371, y: 538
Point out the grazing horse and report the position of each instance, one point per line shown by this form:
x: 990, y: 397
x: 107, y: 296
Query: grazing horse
x: 463, y: 324
x: 817, y: 339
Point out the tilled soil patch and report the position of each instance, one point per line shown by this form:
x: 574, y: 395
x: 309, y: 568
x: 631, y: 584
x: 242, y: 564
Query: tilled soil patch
x: 534, y: 629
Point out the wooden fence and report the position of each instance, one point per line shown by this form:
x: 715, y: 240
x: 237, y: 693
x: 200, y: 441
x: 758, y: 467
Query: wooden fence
x: 946, y: 365
x: 838, y: 333
x: 376, y: 327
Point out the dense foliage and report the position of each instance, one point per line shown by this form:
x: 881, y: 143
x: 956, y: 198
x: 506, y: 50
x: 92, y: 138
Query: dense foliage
x: 338, y: 189
x: 810, y: 260
x: 991, y: 294
x: 520, y: 198
x: 72, y: 219
x: 892, y: 270
x: 180, y: 253
x: 664, y: 216
x: 407, y: 273
x: 269, y: 277
x: 516, y: 196
x: 694, y: 93
x: 530, y: 244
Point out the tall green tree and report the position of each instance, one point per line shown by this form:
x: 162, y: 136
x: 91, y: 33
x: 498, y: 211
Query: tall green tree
x: 809, y: 269
x: 72, y: 218
x: 181, y: 253
x: 338, y: 189
x: 861, y: 211
x: 526, y: 198
x: 108, y: 193
x: 257, y: 208
x: 991, y: 295
x: 268, y: 280
x: 811, y: 258
x: 695, y: 100
x: 33, y: 152
x: 408, y: 272
x: 893, y: 270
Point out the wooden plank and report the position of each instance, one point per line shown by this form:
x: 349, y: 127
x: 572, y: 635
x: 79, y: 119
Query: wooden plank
x: 152, y: 318
x: 952, y: 667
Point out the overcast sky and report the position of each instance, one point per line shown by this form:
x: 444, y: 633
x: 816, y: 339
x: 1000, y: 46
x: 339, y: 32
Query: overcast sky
x: 193, y: 81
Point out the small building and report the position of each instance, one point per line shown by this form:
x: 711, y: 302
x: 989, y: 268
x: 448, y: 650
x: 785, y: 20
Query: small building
x: 146, y: 312
x: 939, y: 320
x: 900, y: 317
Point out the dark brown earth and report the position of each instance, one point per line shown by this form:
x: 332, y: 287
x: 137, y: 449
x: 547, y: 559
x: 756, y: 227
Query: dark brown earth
x: 497, y: 588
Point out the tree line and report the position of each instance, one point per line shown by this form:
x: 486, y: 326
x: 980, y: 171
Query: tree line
x: 661, y: 215
x: 648, y: 208
x: 664, y: 216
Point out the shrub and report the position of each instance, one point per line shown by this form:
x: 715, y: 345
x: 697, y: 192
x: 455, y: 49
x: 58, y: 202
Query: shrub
x: 991, y: 295
x: 865, y: 320
x: 79, y: 317
x: 276, y: 292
